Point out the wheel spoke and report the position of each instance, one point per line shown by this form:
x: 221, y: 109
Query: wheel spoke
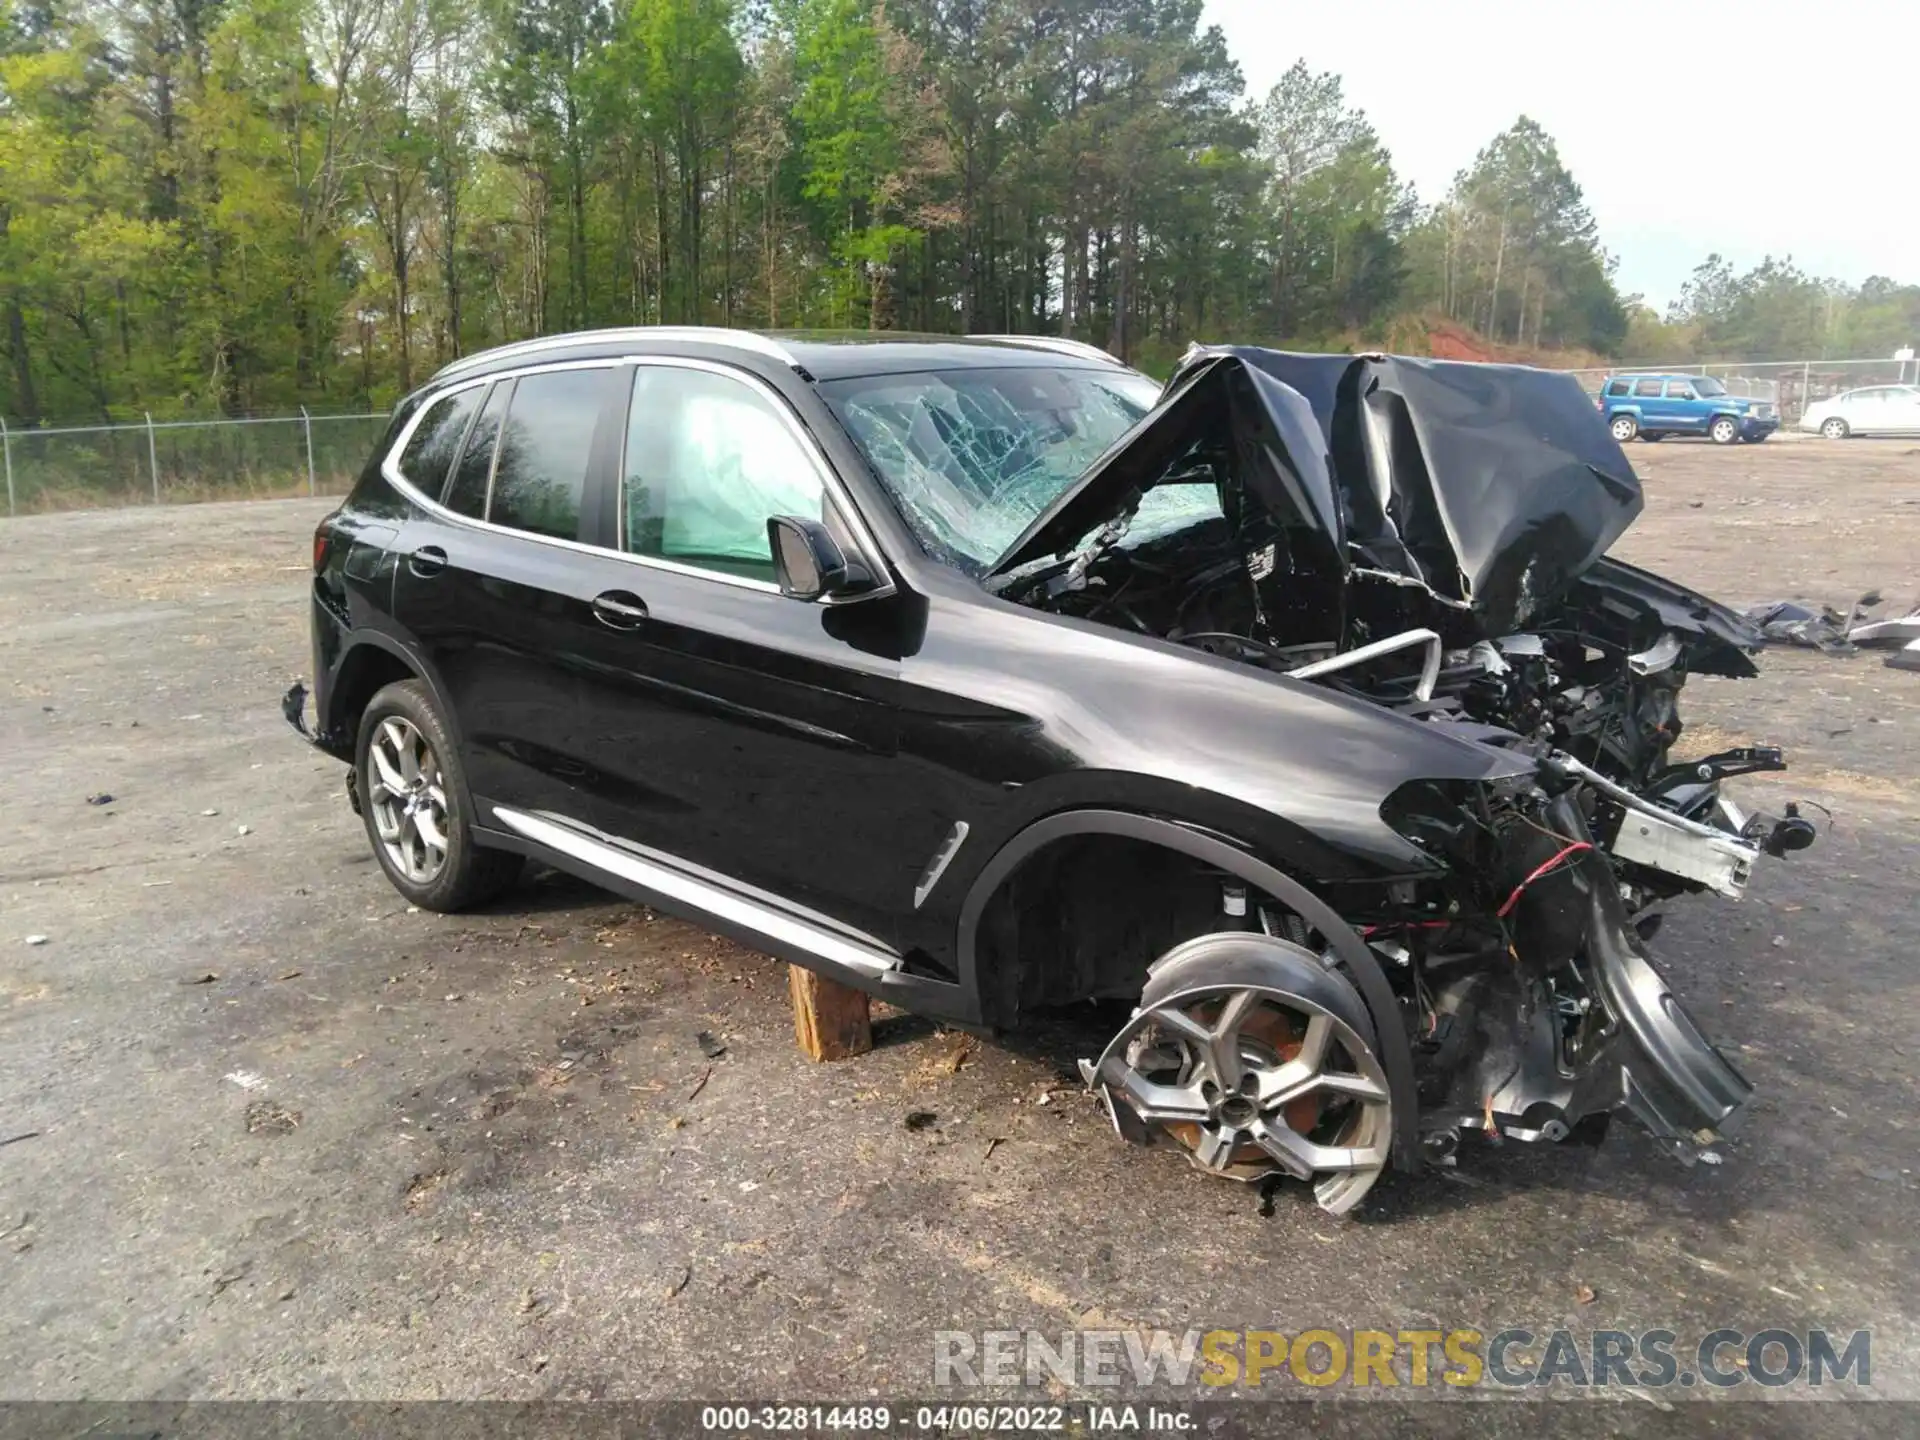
x: 431, y: 830
x: 388, y: 822
x: 1160, y: 1103
x: 387, y: 766
x: 1301, y: 1158
x: 1223, y: 1043
x: 1215, y: 1150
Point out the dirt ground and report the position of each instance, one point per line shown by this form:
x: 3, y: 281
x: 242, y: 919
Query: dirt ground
x: 281, y: 1137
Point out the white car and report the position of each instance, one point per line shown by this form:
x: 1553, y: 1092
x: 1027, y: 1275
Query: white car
x: 1875, y: 410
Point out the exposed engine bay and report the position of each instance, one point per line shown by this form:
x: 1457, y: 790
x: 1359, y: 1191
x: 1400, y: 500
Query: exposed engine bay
x: 1428, y: 537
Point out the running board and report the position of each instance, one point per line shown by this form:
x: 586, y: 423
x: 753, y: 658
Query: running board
x: 662, y: 876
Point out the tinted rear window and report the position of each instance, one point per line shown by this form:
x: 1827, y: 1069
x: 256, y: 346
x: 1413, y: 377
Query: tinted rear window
x: 1616, y: 387
x: 541, y: 472
x: 429, y: 452
x: 467, y: 495
x: 1650, y: 389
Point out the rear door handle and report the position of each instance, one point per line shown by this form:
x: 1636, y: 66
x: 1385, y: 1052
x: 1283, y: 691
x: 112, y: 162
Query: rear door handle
x: 427, y: 560
x: 620, y: 610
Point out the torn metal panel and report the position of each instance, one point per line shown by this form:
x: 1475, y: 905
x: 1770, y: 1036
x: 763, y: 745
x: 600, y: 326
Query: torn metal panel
x: 1493, y: 485
x: 1901, y: 631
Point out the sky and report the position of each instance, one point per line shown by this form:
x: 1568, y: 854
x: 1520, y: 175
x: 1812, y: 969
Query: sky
x: 1749, y: 128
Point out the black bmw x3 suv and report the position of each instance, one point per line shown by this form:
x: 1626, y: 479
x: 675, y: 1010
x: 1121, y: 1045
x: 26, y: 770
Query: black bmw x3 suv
x: 1295, y: 701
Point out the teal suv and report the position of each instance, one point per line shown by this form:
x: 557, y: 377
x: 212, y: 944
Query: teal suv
x: 1653, y: 407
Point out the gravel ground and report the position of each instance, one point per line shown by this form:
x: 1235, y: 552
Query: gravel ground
x: 283, y: 1138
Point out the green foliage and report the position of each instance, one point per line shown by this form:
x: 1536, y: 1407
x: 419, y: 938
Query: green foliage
x: 216, y: 206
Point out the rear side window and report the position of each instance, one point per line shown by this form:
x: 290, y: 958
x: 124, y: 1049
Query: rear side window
x: 1647, y: 389
x: 467, y: 495
x: 1616, y: 387
x: 546, y: 443
x: 430, y: 449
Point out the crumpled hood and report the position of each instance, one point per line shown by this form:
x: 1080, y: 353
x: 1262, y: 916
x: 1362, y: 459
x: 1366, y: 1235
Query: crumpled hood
x: 1494, y: 486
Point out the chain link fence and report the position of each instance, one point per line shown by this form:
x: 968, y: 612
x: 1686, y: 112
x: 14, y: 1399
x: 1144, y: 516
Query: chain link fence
x: 1790, y: 385
x: 170, y: 461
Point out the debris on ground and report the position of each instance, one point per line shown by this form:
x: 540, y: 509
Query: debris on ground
x: 16, y: 1139
x: 1586, y: 1294
x: 100, y: 799
x: 684, y: 1279
x: 36, y: 939
x: 1789, y: 622
x: 1792, y: 622
x: 701, y: 1084
x: 203, y: 977
x: 711, y: 1048
x: 264, y: 1117
x: 920, y: 1119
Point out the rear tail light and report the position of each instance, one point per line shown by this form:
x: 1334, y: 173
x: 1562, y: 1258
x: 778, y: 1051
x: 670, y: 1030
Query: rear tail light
x: 322, y: 543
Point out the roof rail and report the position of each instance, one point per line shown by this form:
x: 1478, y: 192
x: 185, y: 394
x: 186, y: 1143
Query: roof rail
x: 1059, y: 344
x: 702, y: 334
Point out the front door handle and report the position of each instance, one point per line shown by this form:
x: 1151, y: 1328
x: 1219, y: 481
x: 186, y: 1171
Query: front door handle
x: 620, y: 610
x: 427, y: 560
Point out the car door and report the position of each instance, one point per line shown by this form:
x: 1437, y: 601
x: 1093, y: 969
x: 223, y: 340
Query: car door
x: 730, y: 728
x: 1647, y: 397
x: 490, y: 581
x: 1682, y: 409
x: 1903, y: 410
x: 1868, y: 412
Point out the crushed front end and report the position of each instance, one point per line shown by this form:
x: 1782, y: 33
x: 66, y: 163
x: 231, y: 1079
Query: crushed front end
x: 1430, y: 538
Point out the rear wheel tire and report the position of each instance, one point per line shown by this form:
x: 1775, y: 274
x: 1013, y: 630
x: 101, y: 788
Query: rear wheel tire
x: 1835, y: 429
x: 1725, y: 430
x: 1624, y: 428
x: 412, y: 793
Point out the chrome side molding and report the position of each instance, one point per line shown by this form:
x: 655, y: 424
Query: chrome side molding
x: 666, y: 877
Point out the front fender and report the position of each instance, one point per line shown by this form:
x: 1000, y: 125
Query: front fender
x: 1225, y: 854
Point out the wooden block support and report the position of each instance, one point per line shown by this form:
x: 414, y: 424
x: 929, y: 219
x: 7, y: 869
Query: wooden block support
x: 830, y: 1020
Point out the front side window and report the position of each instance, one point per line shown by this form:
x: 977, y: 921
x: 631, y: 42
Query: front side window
x: 431, y: 447
x: 1646, y: 389
x: 709, y: 460
x: 971, y: 457
x: 1679, y: 390
x: 546, y: 442
x: 1707, y: 388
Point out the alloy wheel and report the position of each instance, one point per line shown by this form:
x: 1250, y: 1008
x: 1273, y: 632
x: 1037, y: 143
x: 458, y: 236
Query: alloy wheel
x: 409, y: 800
x: 1834, y: 429
x: 1255, y: 1082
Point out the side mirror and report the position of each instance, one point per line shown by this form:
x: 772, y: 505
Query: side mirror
x: 808, y: 562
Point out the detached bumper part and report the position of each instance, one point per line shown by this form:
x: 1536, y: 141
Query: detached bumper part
x: 293, y: 705
x: 1654, y: 1063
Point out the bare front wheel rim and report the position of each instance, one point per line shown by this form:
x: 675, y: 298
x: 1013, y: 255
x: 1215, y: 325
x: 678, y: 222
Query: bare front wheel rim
x: 409, y: 800
x: 1255, y: 1082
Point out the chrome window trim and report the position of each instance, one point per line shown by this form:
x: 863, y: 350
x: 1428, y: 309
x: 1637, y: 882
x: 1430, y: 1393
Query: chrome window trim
x: 719, y: 896
x: 863, y: 540
x: 626, y: 335
x: 831, y: 488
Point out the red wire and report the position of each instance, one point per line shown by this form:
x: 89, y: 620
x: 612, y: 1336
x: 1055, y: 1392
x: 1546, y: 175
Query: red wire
x: 1505, y: 910
x: 1520, y: 889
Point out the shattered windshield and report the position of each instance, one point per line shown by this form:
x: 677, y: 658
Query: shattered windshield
x: 970, y: 457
